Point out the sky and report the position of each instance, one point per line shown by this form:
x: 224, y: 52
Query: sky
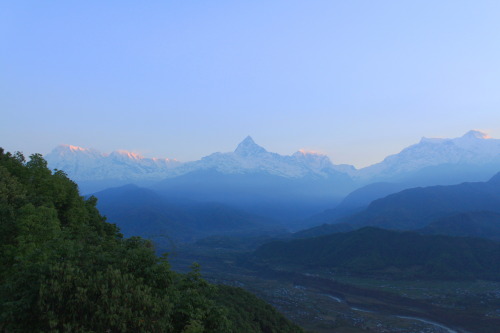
x: 356, y: 80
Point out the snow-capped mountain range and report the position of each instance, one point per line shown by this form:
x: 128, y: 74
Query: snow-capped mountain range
x: 473, y: 148
x: 89, y: 164
x: 82, y: 164
x: 248, y: 157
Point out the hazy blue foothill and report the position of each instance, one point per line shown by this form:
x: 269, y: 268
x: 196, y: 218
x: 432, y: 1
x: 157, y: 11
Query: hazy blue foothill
x: 355, y: 202
x: 143, y: 212
x: 280, y: 198
x: 415, y: 208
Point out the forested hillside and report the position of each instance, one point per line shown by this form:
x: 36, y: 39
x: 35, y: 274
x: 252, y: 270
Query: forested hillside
x: 480, y: 224
x: 377, y: 252
x: 64, y: 268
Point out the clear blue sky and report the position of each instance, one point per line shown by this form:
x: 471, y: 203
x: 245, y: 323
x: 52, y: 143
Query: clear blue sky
x: 357, y: 80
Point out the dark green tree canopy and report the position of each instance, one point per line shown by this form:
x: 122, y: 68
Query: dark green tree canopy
x: 65, y: 269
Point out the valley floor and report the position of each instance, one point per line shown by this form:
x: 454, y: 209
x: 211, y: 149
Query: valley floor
x: 324, y: 302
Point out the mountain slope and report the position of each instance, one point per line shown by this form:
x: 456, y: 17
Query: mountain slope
x: 355, y: 202
x: 471, y: 224
x: 474, y: 150
x: 373, y: 251
x: 417, y: 207
x: 142, y: 212
x: 280, y: 198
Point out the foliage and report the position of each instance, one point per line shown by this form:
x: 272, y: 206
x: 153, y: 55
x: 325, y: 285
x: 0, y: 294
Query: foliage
x: 252, y: 314
x: 374, y: 251
x: 64, y: 268
x: 470, y: 224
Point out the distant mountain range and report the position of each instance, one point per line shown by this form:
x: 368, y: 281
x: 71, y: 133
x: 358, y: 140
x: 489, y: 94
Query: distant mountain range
x: 280, y: 198
x: 472, y: 157
x: 475, y: 148
x: 355, y: 202
x: 286, y: 188
x: 468, y: 209
x: 248, y: 157
x: 90, y: 164
x: 416, y: 207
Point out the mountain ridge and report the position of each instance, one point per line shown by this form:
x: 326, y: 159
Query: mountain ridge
x: 422, y: 161
x: 474, y: 147
x: 416, y: 208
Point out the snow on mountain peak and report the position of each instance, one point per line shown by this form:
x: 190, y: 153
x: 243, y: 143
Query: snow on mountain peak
x: 308, y: 152
x: 311, y: 157
x: 69, y: 148
x: 127, y: 155
x: 470, y: 135
x: 89, y: 164
x: 248, y: 147
x: 313, y: 160
x: 74, y: 148
x: 250, y: 157
x: 70, y: 151
x: 476, y: 134
x: 473, y: 148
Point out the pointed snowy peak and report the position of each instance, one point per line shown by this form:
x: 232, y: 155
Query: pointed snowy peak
x: 248, y: 147
x: 476, y: 134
